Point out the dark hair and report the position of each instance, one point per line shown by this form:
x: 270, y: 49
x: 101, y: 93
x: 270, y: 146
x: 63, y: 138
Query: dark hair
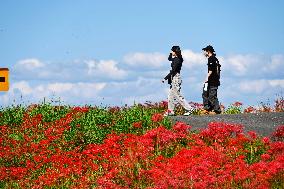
x: 177, y: 50
x: 209, y: 48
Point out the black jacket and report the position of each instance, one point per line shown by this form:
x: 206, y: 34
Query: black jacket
x: 176, y: 67
x: 215, y: 67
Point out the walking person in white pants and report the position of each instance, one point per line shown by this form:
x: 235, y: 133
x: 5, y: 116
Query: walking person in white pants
x: 174, y: 79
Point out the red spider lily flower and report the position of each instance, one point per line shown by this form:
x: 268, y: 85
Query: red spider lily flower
x: 31, y: 107
x: 3, y: 173
x: 196, y: 105
x: 29, y: 164
x: 164, y: 104
x: 250, y: 109
x: 277, y: 147
x: 279, y: 105
x: 17, y: 172
x: 265, y: 157
x: 252, y: 134
x: 181, y: 127
x: 81, y: 109
x: 161, y: 136
x: 237, y: 104
x: 220, y: 132
x: 137, y: 124
x: 114, y: 109
x: 279, y: 133
x: 3, y: 129
x: 77, y: 108
x: 44, y: 142
x: 37, y: 159
x: 157, y: 117
x: 52, y: 138
x: 266, y: 140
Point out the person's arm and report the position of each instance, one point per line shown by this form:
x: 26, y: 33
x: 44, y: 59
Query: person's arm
x: 208, y: 75
x: 168, y: 77
x: 170, y: 58
x: 174, y: 68
x: 211, y: 67
x: 175, y: 65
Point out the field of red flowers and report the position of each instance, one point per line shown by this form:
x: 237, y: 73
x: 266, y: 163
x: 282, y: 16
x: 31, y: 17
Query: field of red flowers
x: 131, y: 147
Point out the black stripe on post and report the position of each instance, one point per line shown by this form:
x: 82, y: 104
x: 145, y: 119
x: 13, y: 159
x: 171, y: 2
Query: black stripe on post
x: 2, y: 79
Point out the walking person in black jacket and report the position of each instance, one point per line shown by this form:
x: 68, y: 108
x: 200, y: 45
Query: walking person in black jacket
x: 174, y: 79
x: 212, y: 82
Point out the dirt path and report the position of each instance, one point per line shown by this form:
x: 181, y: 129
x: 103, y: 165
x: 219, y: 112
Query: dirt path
x: 263, y: 123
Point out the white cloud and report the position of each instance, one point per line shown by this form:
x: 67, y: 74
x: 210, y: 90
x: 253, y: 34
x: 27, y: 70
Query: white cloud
x: 76, y: 71
x: 145, y: 98
x: 24, y: 91
x: 276, y: 63
x: 250, y: 92
x: 238, y: 64
x: 23, y: 87
x: 87, y: 90
x: 147, y: 60
x: 253, y: 66
x: 277, y: 83
x: 139, y: 91
x: 256, y: 86
x: 30, y: 64
x: 105, y: 68
x: 59, y: 87
x: 192, y: 59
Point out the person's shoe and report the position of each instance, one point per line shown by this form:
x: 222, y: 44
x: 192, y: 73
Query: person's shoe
x: 218, y: 112
x: 187, y: 113
x: 212, y: 113
x: 204, y: 112
x: 169, y: 113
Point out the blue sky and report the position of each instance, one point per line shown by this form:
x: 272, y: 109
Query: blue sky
x: 114, y: 52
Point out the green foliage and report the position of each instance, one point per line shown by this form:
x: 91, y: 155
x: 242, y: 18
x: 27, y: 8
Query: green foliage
x: 94, y: 125
x: 171, y: 150
x: 16, y: 136
x: 2, y: 184
x: 254, y: 150
x: 232, y: 109
x: 12, y: 116
x: 49, y: 112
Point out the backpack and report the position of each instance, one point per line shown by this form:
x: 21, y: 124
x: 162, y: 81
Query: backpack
x: 218, y: 68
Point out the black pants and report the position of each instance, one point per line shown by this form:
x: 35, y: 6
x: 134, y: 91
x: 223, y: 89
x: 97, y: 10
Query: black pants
x: 210, y: 99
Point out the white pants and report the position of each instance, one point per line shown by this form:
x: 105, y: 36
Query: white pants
x: 175, y: 96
